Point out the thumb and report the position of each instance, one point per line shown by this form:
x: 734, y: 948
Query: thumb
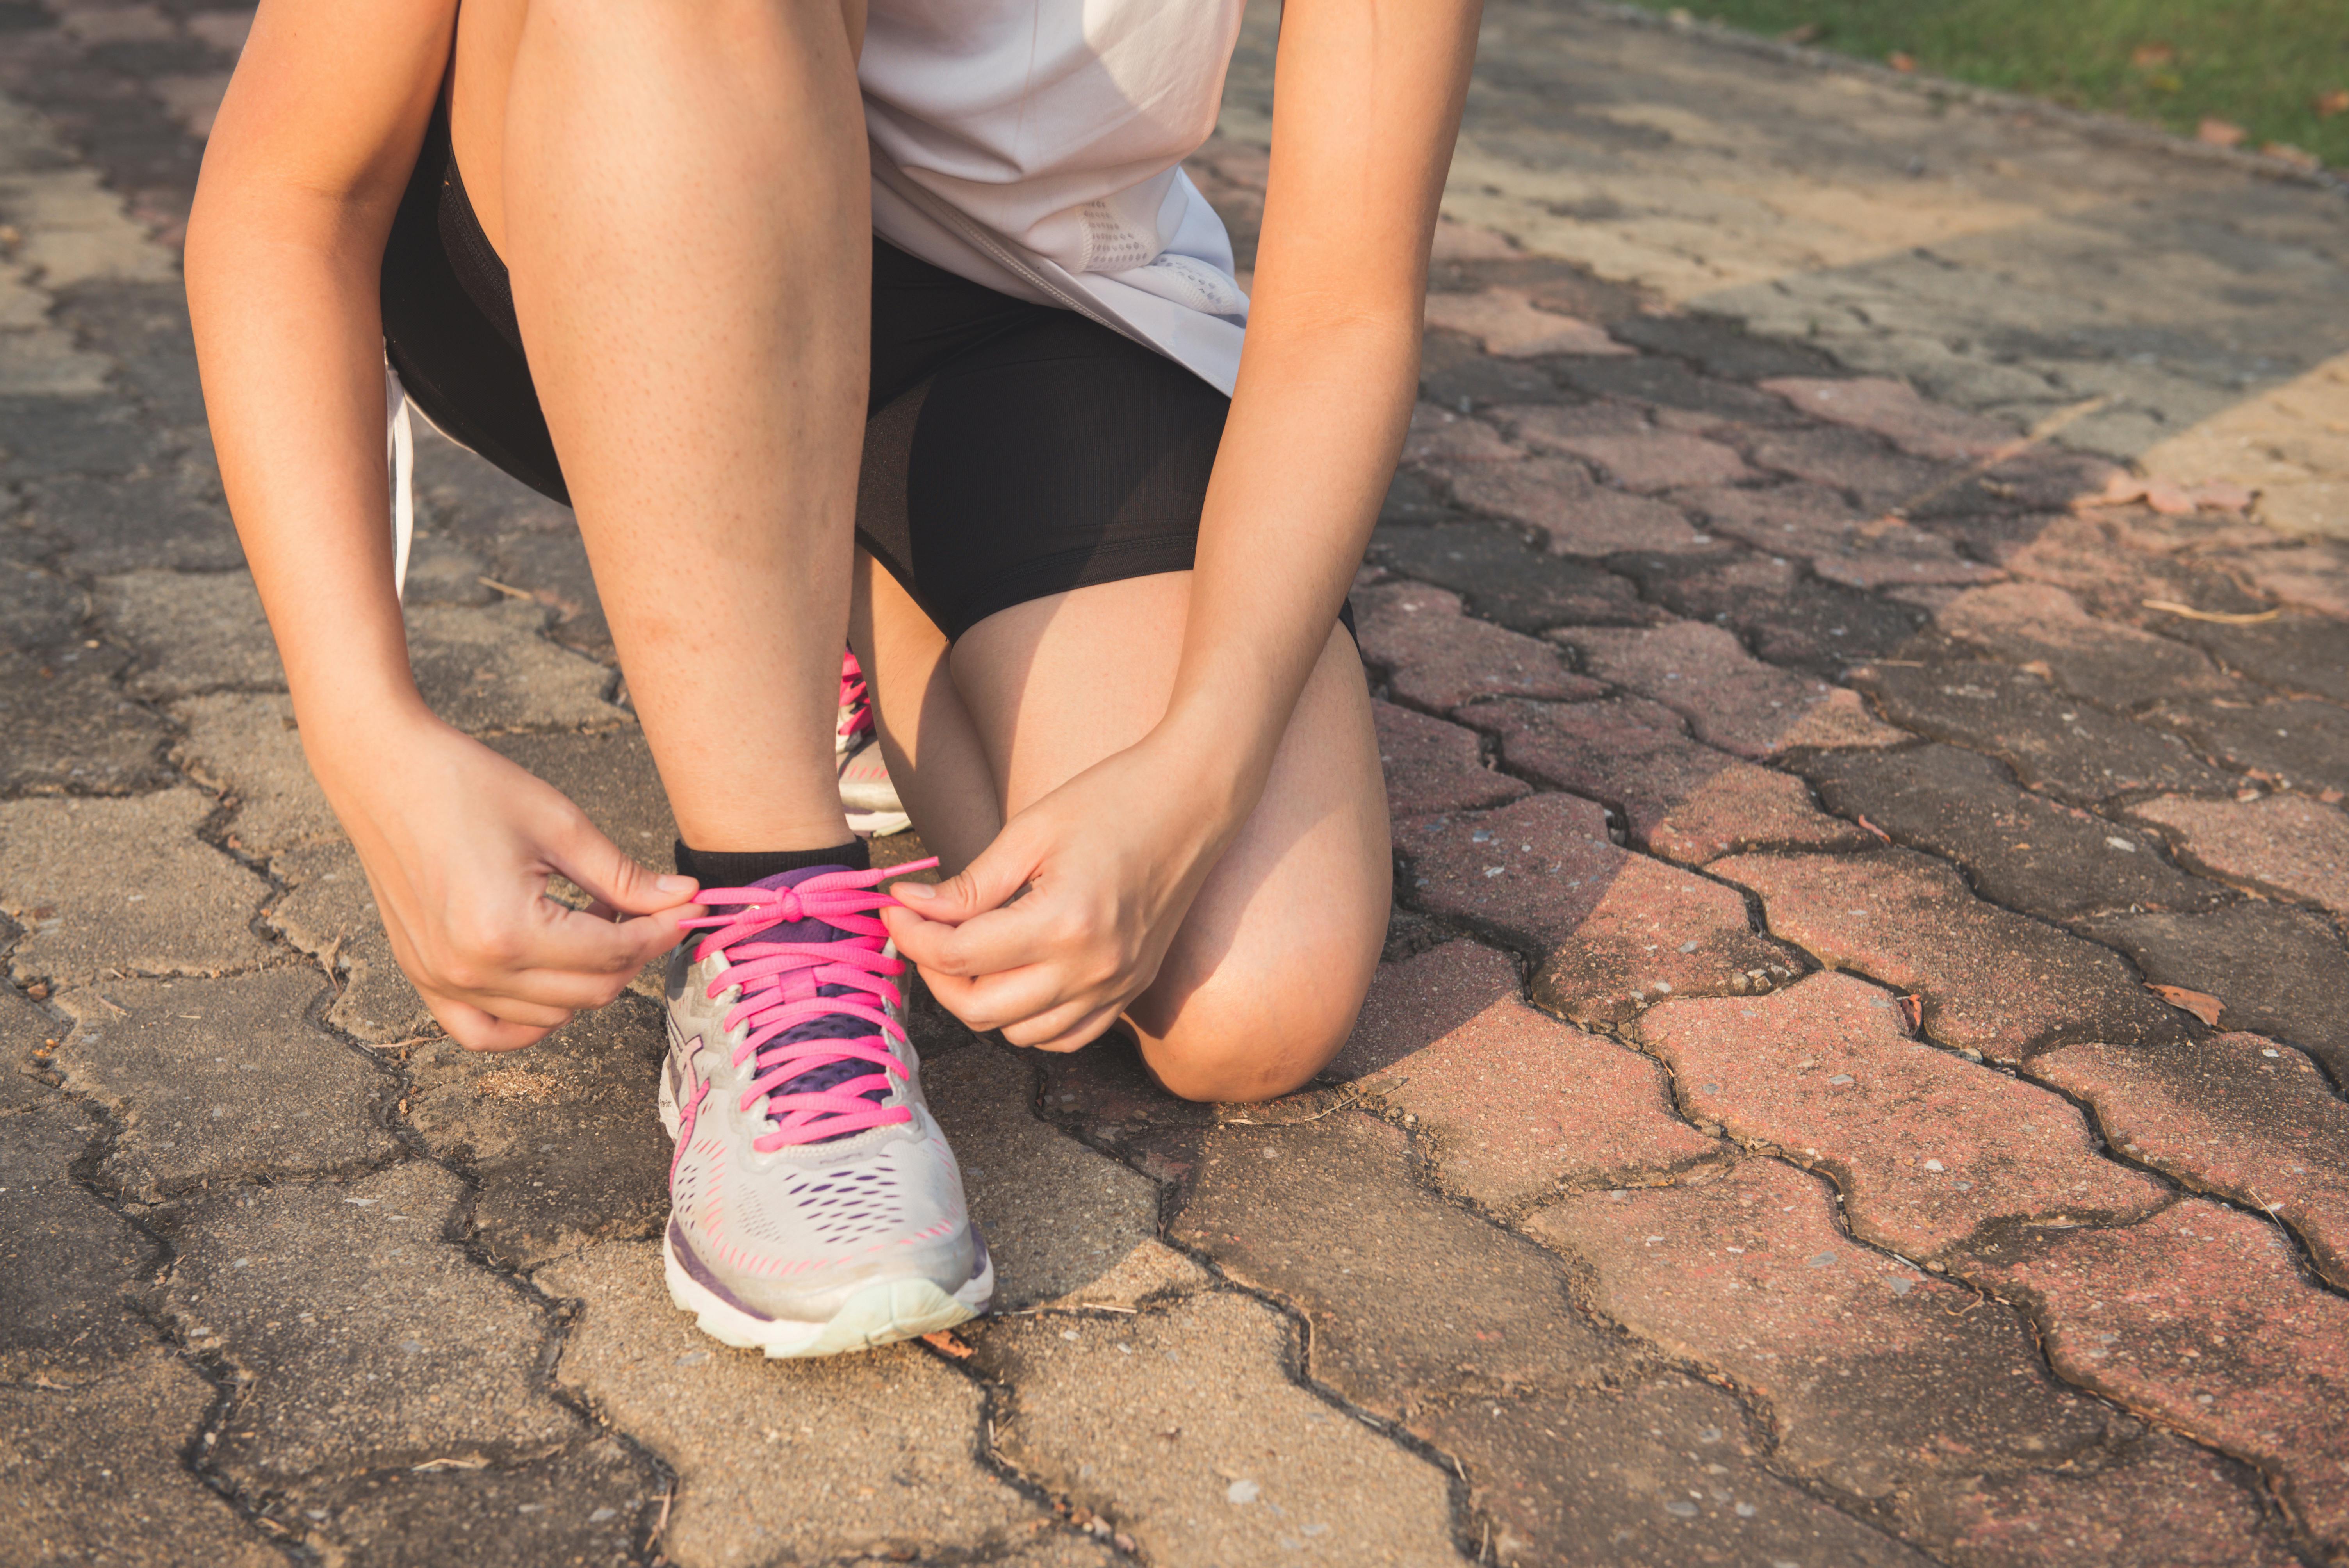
x: 607, y: 874
x: 987, y: 882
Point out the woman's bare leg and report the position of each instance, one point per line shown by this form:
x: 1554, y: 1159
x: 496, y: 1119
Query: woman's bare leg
x: 1261, y: 986
x: 684, y: 212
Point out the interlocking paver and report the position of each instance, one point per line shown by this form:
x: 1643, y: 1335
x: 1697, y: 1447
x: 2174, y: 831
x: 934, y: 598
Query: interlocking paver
x: 244, y: 745
x: 881, y: 1450
x: 1182, y: 1430
x: 195, y: 631
x: 70, y: 726
x: 39, y: 608
x: 1438, y: 657
x: 113, y: 887
x: 2279, y: 972
x: 2296, y: 743
x: 2018, y: 849
x: 2198, y: 1317
x: 1842, y: 543
x: 488, y: 669
x: 2284, y: 843
x: 1684, y: 801
x: 1730, y: 698
x: 1432, y: 766
x: 1988, y: 979
x: 1410, y: 1297
x: 1580, y: 516
x: 1892, y: 409
x: 1875, y: 1373
x: 135, y: 522
x: 217, y: 1079
x: 1440, y: 1031
x: 363, y: 1339
x: 1874, y: 475
x: 561, y: 1141
x: 1501, y: 580
x: 328, y: 912
x: 1926, y: 1145
x: 2236, y: 1115
x: 2299, y: 653
x: 1632, y: 453
x: 69, y: 1259
x: 1658, y: 1473
x: 1789, y: 617
x: 585, y: 1505
x: 2043, y: 627
x: 1438, y: 434
x: 1618, y: 930
x: 96, y: 1473
x: 2066, y: 746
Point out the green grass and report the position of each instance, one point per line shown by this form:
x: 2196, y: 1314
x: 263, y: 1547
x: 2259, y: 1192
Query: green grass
x: 2259, y: 64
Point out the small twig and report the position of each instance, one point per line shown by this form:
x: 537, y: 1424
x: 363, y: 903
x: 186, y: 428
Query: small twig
x: 662, y: 1523
x: 508, y: 589
x: 2218, y: 617
x: 1301, y: 1121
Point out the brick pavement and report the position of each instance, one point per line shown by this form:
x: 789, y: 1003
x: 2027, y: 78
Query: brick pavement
x: 1765, y: 1142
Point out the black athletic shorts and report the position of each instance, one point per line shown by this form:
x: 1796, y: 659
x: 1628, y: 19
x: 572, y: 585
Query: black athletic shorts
x: 1011, y: 450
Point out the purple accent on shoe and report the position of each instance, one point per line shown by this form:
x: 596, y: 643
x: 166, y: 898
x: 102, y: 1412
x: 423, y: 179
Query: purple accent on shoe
x: 978, y: 1251
x: 701, y: 1274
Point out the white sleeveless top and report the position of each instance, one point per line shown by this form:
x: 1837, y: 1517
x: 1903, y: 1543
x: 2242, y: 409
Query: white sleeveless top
x: 1035, y: 145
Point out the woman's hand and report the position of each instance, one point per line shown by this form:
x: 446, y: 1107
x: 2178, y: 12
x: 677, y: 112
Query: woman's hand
x: 1064, y: 918
x: 459, y: 843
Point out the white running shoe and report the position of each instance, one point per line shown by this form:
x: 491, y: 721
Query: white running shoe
x: 814, y: 1206
x: 865, y: 792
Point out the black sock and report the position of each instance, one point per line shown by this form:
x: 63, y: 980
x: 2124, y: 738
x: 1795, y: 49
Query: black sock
x: 740, y: 868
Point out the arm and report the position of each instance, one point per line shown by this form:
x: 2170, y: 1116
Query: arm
x: 304, y: 171
x: 1368, y: 105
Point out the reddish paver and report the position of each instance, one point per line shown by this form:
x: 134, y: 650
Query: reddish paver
x: 1633, y: 453
x: 1685, y: 801
x: 1730, y: 698
x: 1441, y: 659
x: 1580, y: 516
x: 1622, y: 930
x: 2239, y: 1115
x: 1851, y: 460
x: 1873, y: 1371
x: 1438, y: 435
x: 1516, y: 1103
x: 1990, y: 980
x: 1925, y: 1145
x: 1891, y: 409
x: 2281, y: 843
x: 1432, y: 766
x: 1545, y: 427
x: 2043, y: 628
x: 2200, y: 1318
x: 1843, y: 545
x: 1508, y: 323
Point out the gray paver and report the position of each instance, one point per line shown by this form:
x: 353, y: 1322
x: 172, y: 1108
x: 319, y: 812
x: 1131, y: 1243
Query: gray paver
x: 486, y: 669
x: 2279, y: 972
x: 195, y: 631
x: 69, y: 1260
x: 328, y: 912
x: 244, y: 745
x: 582, y: 1507
x: 70, y: 726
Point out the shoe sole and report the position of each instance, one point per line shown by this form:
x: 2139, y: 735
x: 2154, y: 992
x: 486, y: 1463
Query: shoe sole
x: 881, y: 1313
x: 876, y: 824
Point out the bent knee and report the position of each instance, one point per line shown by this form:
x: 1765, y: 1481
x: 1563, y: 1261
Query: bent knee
x: 1241, y: 1043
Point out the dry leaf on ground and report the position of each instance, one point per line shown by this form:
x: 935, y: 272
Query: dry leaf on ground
x: 2219, y: 133
x: 2201, y: 1004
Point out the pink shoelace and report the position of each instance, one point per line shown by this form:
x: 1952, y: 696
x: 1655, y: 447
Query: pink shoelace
x: 854, y: 698
x: 781, y: 984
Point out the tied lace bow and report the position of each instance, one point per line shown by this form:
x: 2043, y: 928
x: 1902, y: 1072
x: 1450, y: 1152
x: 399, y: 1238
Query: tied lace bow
x: 783, y: 986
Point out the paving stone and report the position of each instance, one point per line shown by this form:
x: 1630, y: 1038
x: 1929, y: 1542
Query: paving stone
x: 1926, y: 1145
x: 563, y: 1141
x: 363, y: 1340
x: 552, y: 563
x: 2282, y: 843
x: 96, y: 1474
x: 609, y: 775
x: 2043, y: 628
x: 582, y: 1506
x: 70, y: 726
x: 112, y: 887
x: 1456, y: 373
x: 1987, y: 979
x: 1820, y: 526
x: 1731, y: 699
x: 160, y: 520
x: 329, y: 912
x: 1254, y: 1469
x: 2294, y: 743
x: 1874, y: 1374
x: 70, y: 435
x: 68, y: 1258
x: 2298, y: 654
x: 880, y: 1450
x: 2091, y: 557
x: 1617, y: 929
x: 39, y: 608
x: 245, y: 745
x: 1891, y: 409
x: 2280, y: 972
x: 1684, y: 801
x: 2058, y: 743
x: 2199, y: 1318
x: 1877, y: 478
x: 1786, y: 617
x: 2152, y: 1499
x: 1438, y: 433
x: 195, y: 631
x: 1059, y: 1217
x: 219, y: 1079
x: 1721, y: 345
x: 442, y: 571
x: 1440, y: 658
x: 2235, y: 1115
x: 1655, y: 1473
x: 1507, y: 322
x: 1500, y: 580
x: 489, y: 668
x: 2018, y: 849
x: 1577, y: 515
x: 1439, y: 1031
x: 1662, y: 384
x: 1637, y: 456
x: 2312, y: 574
x: 1432, y: 766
